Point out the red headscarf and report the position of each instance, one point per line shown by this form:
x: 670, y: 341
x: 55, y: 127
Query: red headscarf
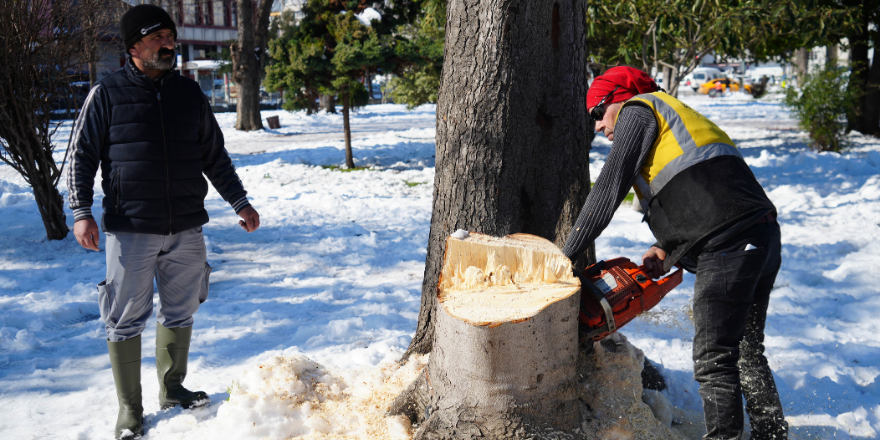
x: 632, y: 82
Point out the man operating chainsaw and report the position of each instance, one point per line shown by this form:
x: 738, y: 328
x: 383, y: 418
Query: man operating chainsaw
x: 708, y: 214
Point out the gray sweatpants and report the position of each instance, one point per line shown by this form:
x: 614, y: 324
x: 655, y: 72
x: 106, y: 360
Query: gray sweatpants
x: 178, y: 265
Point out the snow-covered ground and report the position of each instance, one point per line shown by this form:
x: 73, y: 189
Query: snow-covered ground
x: 334, y: 274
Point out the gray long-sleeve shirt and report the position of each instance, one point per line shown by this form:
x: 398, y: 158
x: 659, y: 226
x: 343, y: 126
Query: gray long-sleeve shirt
x: 634, y: 136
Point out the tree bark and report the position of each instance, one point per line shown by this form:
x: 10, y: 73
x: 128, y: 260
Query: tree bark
x: 247, y: 54
x: 831, y: 53
x: 871, y: 117
x: 858, y: 79
x: 40, y: 171
x: 51, y: 207
x: 92, y: 57
x: 346, y: 128
x: 93, y: 73
x: 329, y: 103
x: 802, y: 62
x: 513, y: 138
x: 312, y: 96
x: 670, y: 82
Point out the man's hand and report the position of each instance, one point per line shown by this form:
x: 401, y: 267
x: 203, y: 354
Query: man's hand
x: 251, y: 219
x: 653, y: 262
x: 86, y: 233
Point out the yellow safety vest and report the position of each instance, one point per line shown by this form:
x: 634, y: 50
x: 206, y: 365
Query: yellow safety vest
x: 685, y: 138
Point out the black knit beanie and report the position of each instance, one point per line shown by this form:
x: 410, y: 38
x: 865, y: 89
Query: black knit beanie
x: 142, y: 20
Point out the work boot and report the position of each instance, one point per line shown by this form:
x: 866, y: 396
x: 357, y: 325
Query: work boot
x: 172, y: 352
x: 125, y: 360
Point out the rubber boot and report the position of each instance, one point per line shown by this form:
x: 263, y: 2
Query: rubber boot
x: 125, y: 360
x: 172, y: 352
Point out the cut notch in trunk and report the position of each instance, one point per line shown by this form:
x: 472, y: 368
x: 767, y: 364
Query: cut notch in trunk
x: 490, y: 281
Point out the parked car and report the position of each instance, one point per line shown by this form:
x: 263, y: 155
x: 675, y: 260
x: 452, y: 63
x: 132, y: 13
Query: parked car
x: 708, y: 88
x: 699, y: 76
x: 774, y: 74
x: 219, y: 94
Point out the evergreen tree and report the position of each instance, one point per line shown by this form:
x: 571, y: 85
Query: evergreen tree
x: 420, y: 57
x: 330, y: 51
x: 358, y: 52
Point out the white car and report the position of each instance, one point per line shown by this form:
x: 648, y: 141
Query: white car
x: 700, y: 76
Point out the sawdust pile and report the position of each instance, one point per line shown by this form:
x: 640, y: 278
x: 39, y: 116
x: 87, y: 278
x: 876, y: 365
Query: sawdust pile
x: 293, y: 397
x: 615, y: 405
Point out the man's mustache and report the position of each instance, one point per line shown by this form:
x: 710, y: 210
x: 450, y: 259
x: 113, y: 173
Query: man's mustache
x: 165, y: 51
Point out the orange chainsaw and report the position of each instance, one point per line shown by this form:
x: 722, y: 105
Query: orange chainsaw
x: 614, y: 292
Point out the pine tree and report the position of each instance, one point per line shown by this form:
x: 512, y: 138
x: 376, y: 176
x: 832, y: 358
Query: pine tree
x: 330, y: 51
x: 420, y: 57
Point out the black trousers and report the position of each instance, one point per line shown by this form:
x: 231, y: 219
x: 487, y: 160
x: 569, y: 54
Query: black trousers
x: 731, y: 295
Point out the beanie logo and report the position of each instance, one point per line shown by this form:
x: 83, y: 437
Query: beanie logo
x: 145, y: 30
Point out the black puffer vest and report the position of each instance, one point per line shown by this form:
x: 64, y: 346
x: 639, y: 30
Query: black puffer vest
x: 702, y: 200
x: 152, y: 154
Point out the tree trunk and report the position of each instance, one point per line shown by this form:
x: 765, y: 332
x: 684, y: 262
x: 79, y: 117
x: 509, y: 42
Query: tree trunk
x: 858, y: 79
x: 871, y: 116
x: 311, y: 96
x: 831, y: 54
x: 329, y: 103
x: 51, y: 206
x: 93, y: 73
x: 247, y: 54
x: 40, y: 171
x: 504, y: 363
x: 513, y: 139
x: 368, y: 81
x: 346, y: 127
x: 802, y: 61
x: 670, y: 81
x: 92, y: 56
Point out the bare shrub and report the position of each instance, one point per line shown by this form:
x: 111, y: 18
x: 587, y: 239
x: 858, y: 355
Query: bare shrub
x: 44, y: 43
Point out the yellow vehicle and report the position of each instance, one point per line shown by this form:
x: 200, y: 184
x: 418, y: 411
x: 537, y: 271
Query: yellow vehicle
x: 709, y: 87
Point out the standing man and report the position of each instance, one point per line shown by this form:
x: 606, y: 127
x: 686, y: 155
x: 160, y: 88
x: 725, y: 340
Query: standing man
x: 709, y: 213
x: 153, y: 135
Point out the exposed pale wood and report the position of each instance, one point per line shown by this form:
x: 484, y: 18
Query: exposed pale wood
x: 489, y: 281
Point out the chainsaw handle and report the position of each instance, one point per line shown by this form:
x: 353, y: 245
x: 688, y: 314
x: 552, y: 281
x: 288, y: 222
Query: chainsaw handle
x: 671, y: 274
x: 661, y: 280
x: 670, y: 281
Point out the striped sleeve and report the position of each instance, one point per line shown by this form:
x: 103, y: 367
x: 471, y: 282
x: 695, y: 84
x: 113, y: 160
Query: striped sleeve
x: 85, y: 155
x: 217, y: 165
x: 634, y: 135
x: 240, y: 204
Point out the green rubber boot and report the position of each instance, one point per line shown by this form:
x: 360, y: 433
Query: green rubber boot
x: 172, y: 352
x: 125, y: 360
